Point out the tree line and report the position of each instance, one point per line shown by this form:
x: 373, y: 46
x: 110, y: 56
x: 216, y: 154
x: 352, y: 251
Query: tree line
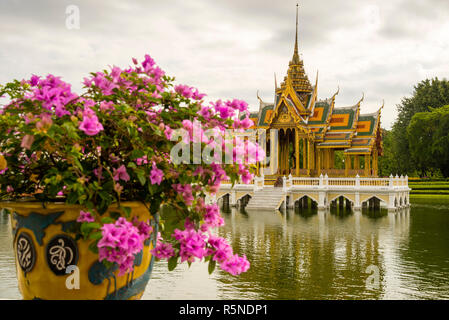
x: 418, y: 142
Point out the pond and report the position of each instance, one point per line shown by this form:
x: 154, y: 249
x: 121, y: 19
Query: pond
x: 308, y: 254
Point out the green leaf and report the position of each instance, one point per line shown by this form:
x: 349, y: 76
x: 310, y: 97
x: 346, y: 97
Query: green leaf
x: 136, y: 154
x: 96, y: 235
x: 142, y: 178
x: 172, y: 263
x: 93, y: 247
x: 211, y: 267
x: 127, y: 211
x: 106, y: 220
x: 115, y: 215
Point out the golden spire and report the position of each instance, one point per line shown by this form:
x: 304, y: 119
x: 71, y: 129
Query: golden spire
x: 296, y: 72
x: 295, y: 53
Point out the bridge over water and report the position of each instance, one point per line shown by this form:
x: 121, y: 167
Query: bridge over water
x: 322, y: 192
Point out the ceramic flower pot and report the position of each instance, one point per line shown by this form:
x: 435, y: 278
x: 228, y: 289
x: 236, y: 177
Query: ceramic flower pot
x: 52, y: 264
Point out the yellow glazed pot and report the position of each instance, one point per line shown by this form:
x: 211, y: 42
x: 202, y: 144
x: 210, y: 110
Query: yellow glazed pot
x: 52, y: 265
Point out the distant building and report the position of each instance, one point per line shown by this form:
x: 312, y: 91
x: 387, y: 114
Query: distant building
x: 311, y: 131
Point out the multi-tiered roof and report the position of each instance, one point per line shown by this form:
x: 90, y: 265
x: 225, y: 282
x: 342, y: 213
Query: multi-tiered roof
x: 328, y: 126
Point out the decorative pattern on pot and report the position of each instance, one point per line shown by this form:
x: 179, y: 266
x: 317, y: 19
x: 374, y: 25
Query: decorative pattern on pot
x: 47, y: 253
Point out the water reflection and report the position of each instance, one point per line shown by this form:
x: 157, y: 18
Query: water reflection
x: 8, y: 282
x: 311, y: 254
x: 308, y: 254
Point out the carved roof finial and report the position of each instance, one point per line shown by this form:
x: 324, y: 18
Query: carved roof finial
x: 257, y: 94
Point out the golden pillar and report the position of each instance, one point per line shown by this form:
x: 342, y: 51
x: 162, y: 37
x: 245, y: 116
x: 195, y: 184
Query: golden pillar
x: 331, y: 158
x: 273, y: 159
x: 324, y: 154
x: 304, y: 154
x: 367, y: 165
x: 312, y: 155
x: 318, y: 161
x: 297, y: 150
x: 375, y: 163
x: 286, y: 153
x: 356, y: 163
x: 326, y: 159
x: 309, y: 158
x: 280, y: 163
x: 347, y: 165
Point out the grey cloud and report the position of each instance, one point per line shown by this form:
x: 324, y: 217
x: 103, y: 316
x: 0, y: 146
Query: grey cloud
x: 231, y: 48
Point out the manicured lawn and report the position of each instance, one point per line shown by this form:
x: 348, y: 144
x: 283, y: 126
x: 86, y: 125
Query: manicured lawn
x: 429, y: 198
x: 429, y: 187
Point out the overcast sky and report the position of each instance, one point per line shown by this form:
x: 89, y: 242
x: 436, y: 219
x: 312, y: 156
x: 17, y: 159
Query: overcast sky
x: 232, y: 48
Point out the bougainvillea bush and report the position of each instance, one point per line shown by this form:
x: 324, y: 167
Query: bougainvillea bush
x: 112, y: 144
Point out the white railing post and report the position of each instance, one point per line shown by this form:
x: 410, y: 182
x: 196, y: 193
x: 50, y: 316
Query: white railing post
x: 391, y: 181
x: 284, y: 184
x: 321, y: 180
x: 326, y: 180
x: 357, y: 181
x: 406, y: 181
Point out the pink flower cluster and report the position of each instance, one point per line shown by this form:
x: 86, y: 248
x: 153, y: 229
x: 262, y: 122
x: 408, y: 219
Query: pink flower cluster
x: 90, y: 124
x: 185, y: 191
x: 121, y: 241
x: 85, y: 216
x: 189, y: 92
x: 192, y: 244
x: 121, y: 174
x: 228, y: 109
x: 199, y: 244
x: 163, y: 250
x: 54, y: 93
x: 212, y: 218
x: 156, y: 175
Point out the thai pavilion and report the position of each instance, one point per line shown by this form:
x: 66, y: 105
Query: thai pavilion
x: 314, y: 136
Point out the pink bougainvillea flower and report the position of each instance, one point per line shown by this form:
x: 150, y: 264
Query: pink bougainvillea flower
x: 163, y: 251
x: 90, y: 124
x: 197, y: 95
x: 106, y: 106
x: 192, y: 244
x: 142, y: 161
x: 45, y: 121
x: 156, y: 175
x: 98, y: 172
x: 185, y: 191
x: 121, y: 174
x: 34, y: 80
x: 85, y: 216
x: 238, y: 105
x: 119, y: 244
x: 212, y: 218
x: 27, y: 141
x: 118, y: 188
x: 145, y: 230
x: 235, y: 265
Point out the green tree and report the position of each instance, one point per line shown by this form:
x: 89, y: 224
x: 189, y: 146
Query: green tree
x: 388, y: 164
x: 427, y: 95
x: 428, y: 140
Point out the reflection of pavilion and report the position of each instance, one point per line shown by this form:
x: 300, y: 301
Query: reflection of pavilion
x: 312, y: 132
x: 321, y: 257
